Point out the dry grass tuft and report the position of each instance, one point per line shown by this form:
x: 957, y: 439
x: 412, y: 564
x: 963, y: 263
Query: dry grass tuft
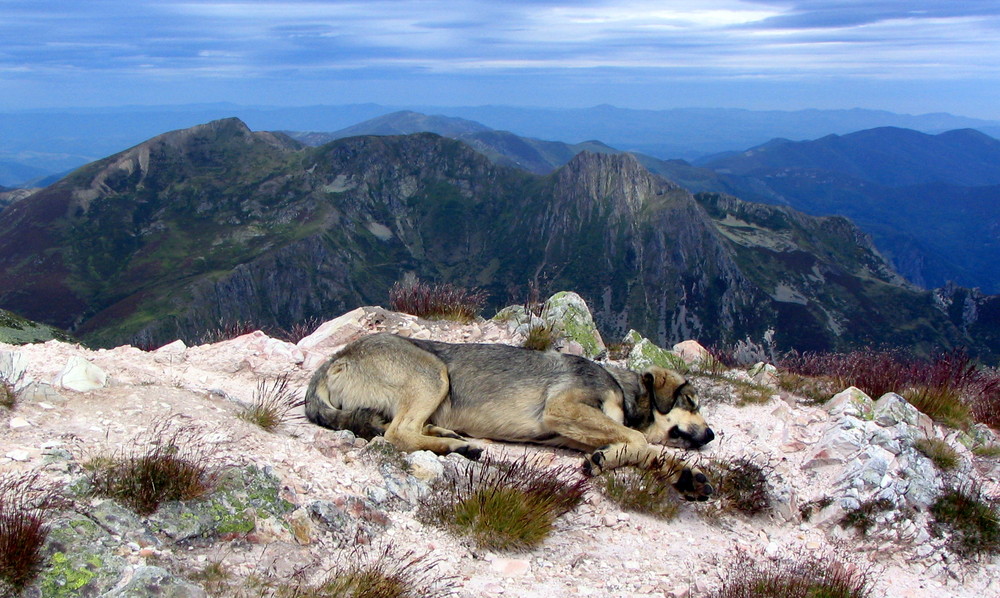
x: 799, y: 576
x: 741, y: 485
x: 25, y: 499
x: 645, y: 491
x: 503, y: 505
x: 938, y: 451
x: 970, y: 521
x: 272, y: 403
x: 169, y: 463
x: 437, y: 302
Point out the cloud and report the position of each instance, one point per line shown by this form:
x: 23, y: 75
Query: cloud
x: 271, y: 41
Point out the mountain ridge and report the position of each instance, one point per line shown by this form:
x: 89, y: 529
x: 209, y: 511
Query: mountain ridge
x: 218, y: 223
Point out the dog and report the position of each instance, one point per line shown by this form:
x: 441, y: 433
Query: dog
x: 430, y: 395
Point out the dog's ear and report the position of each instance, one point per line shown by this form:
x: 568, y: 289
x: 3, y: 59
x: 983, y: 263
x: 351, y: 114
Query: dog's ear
x: 663, y: 386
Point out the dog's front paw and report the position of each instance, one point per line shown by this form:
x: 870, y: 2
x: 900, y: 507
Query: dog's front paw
x: 470, y: 452
x: 694, y: 485
x: 593, y: 464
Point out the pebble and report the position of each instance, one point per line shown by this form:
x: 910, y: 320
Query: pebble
x: 17, y: 455
x: 17, y: 423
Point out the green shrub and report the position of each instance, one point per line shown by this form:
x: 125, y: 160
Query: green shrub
x: 741, y: 485
x: 168, y: 464
x: 863, y: 518
x: 503, y: 505
x: 938, y: 451
x: 800, y: 576
x: 272, y: 404
x: 971, y: 522
x: 640, y: 490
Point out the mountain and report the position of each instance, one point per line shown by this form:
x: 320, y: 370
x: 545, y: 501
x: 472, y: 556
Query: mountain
x: 688, y: 133
x: 502, y: 147
x: 929, y: 201
x: 886, y: 156
x: 217, y: 223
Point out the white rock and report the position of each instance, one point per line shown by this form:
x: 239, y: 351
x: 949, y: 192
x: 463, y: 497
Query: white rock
x: 81, y: 375
x: 19, y: 422
x: 17, y: 455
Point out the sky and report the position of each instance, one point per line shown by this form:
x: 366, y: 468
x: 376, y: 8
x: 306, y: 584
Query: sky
x: 907, y: 56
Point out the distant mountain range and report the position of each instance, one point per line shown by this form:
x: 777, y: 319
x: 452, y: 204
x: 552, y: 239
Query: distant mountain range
x: 216, y: 223
x: 56, y: 141
x: 931, y: 202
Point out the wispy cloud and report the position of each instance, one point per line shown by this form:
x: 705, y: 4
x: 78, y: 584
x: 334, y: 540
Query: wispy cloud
x: 268, y: 41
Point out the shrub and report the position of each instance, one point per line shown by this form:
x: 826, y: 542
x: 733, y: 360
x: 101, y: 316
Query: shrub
x: 541, y: 337
x: 950, y: 387
x: 620, y: 351
x: 226, y: 330
x: 272, y: 404
x: 971, y: 521
x: 503, y: 505
x: 298, y: 330
x: 640, y: 490
x: 938, y: 451
x: 989, y: 451
x: 24, y: 501
x: 437, y: 302
x: 809, y: 576
x: 863, y: 518
x: 815, y: 389
x: 167, y: 465
x: 8, y: 397
x: 741, y: 485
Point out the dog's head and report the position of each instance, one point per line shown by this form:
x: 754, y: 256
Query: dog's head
x: 677, y: 419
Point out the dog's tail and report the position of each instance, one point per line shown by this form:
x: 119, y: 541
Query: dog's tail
x: 320, y: 409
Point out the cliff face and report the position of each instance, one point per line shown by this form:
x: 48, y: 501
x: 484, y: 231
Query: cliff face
x: 219, y: 224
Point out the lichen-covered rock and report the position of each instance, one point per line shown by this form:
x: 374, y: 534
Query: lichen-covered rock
x: 80, y: 561
x: 851, y: 402
x: 569, y: 314
x: 645, y: 354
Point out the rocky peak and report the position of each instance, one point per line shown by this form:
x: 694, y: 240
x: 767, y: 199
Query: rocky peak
x: 615, y: 182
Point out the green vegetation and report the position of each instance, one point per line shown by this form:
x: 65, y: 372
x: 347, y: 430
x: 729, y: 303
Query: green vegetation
x: 808, y: 576
x: 644, y: 491
x: 741, y: 486
x: 272, y: 404
x: 503, y: 505
x: 863, y: 518
x: 25, y: 502
x: 969, y: 520
x: 166, y: 465
x: 938, y: 451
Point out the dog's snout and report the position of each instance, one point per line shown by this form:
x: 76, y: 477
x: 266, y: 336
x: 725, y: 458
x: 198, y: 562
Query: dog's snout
x: 692, y: 440
x: 709, y: 436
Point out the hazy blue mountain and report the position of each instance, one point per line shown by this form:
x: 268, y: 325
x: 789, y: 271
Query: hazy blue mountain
x: 931, y: 202
x: 91, y: 134
x: 217, y: 223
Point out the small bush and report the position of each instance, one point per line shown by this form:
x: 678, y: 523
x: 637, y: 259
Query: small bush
x: 640, y: 490
x: 741, y: 485
x: 167, y: 465
x: 810, y: 508
x: 8, y: 397
x: 942, y: 404
x: 541, y: 337
x: 272, y: 404
x: 437, y: 302
x: 24, y: 501
x: 970, y: 520
x: 810, y: 576
x: 298, y: 330
x: 990, y: 451
x: 226, y: 330
x: 383, y: 453
x: 816, y: 390
x: 938, y: 451
x: 503, y: 505
x: 620, y: 351
x: 863, y: 518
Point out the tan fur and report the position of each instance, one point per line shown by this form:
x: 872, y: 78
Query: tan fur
x: 425, y: 395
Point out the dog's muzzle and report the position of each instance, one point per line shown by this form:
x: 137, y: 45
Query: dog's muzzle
x: 693, y: 441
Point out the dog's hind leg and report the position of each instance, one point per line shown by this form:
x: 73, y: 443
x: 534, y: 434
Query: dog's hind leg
x: 574, y: 414
x: 416, y: 400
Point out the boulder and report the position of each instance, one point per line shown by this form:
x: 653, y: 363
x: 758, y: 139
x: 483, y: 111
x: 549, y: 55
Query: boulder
x: 571, y: 317
x: 81, y: 375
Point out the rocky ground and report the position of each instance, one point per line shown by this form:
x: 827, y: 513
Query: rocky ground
x: 321, y: 494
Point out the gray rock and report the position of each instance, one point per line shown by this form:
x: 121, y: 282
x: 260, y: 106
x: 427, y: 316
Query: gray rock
x: 154, y: 581
x: 569, y: 314
x: 892, y: 409
x: 645, y: 354
x: 851, y: 402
